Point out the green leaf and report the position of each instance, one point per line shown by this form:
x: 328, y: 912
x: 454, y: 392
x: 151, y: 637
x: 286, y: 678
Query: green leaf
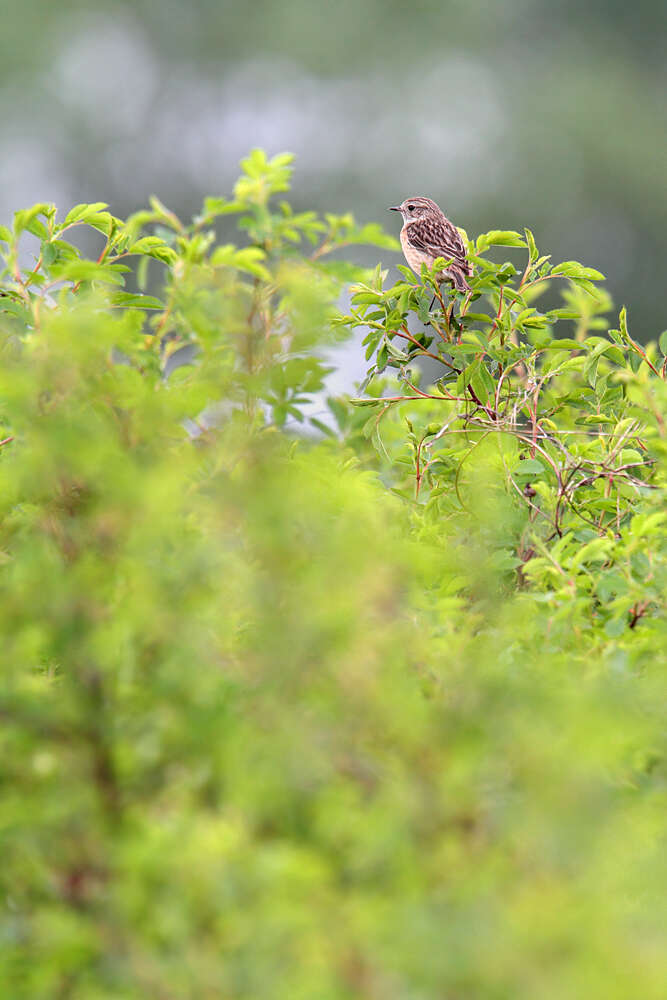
x: 562, y: 344
x: 595, y: 418
x: 128, y: 300
x: 395, y: 352
x: 153, y: 246
x: 662, y: 342
x: 247, y: 259
x: 615, y: 627
x: 488, y: 380
x: 478, y: 385
x: 464, y: 377
x: 630, y: 456
x: 88, y: 270
x: 82, y: 212
x: 573, y: 269
x: 532, y: 247
x: 610, y: 585
x: 367, y: 298
x: 168, y: 218
x: 15, y: 307
x: 501, y: 238
x: 615, y: 354
x: 49, y: 254
x: 26, y: 218
x: 407, y: 273
x: 528, y: 467
x: 478, y: 317
x: 221, y: 206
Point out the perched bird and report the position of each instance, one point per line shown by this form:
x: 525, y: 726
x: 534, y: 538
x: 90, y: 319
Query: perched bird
x: 426, y: 234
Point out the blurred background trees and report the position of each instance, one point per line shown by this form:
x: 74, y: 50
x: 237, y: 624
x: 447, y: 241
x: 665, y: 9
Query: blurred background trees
x: 509, y: 114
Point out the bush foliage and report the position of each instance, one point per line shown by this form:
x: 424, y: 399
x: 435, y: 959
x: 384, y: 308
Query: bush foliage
x: 363, y: 706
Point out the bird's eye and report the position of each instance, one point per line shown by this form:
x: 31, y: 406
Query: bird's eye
x: 411, y: 208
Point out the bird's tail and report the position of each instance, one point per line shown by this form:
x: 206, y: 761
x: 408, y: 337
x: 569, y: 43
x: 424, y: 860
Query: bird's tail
x: 459, y: 280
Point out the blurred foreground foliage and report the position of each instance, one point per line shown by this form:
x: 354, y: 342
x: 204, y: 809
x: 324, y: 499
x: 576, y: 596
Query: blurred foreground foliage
x: 375, y: 711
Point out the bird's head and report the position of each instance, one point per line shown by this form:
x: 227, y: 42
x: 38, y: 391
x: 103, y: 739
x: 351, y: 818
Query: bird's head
x: 415, y: 208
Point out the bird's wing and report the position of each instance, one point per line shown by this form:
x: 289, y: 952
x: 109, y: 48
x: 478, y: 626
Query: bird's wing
x: 439, y: 238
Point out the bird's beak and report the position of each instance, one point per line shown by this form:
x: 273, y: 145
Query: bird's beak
x: 394, y: 208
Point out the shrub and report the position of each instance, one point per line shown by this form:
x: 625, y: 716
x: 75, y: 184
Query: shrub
x: 372, y: 711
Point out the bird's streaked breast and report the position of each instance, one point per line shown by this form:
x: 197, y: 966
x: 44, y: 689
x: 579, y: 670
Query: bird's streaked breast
x: 414, y: 257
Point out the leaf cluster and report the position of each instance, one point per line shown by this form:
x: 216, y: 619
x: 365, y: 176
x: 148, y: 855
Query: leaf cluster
x: 568, y: 426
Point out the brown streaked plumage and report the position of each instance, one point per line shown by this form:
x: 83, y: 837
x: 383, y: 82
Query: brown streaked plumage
x: 426, y: 234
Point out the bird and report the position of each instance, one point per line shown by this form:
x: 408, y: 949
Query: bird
x: 427, y: 233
